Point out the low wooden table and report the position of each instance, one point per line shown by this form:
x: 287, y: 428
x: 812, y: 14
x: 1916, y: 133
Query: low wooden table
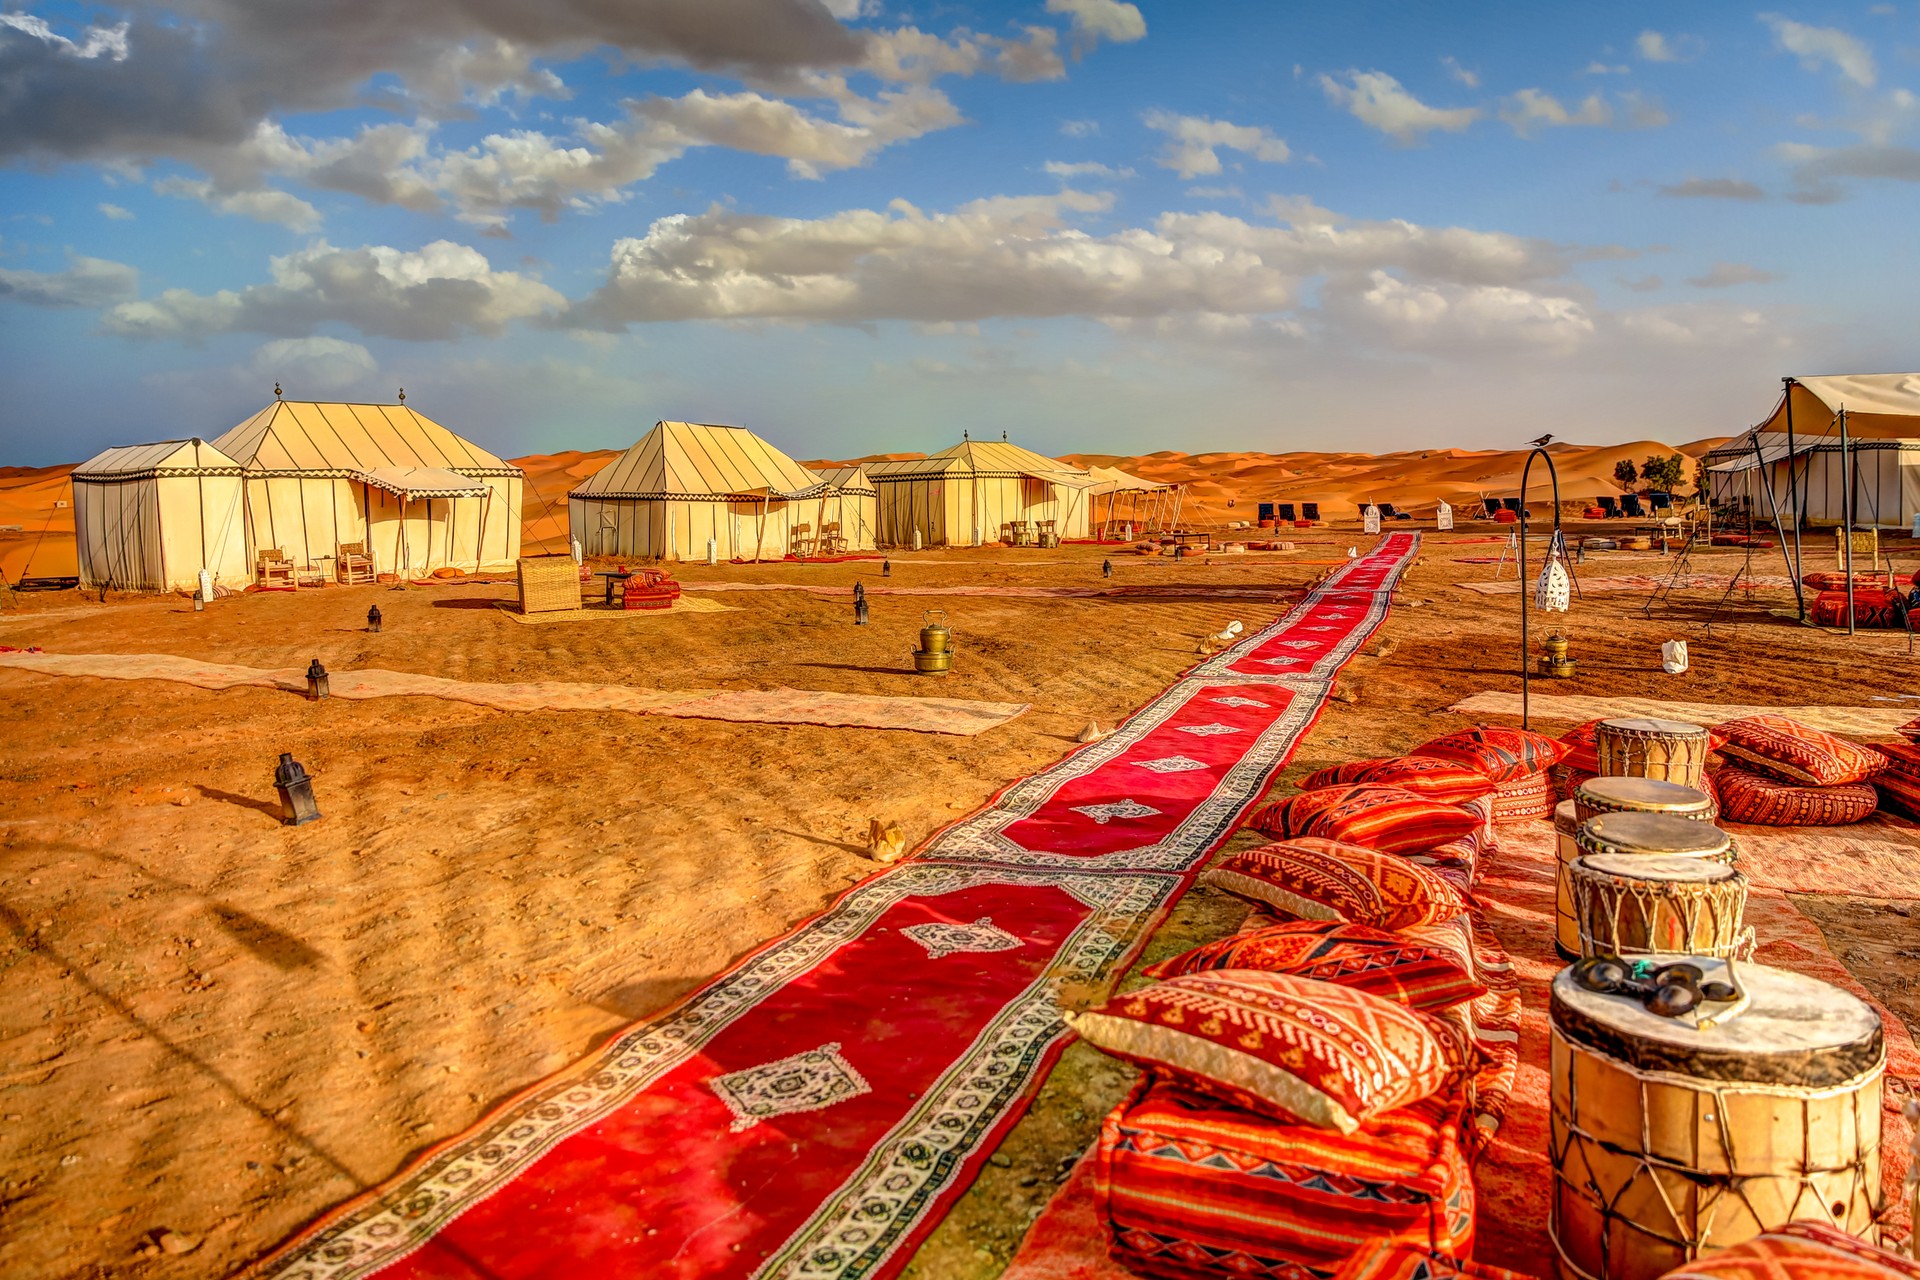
x: 615, y: 577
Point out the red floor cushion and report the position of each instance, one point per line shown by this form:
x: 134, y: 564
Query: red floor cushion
x: 1286, y: 1047
x: 1899, y: 783
x: 1393, y: 966
x: 1317, y: 879
x: 1566, y: 779
x: 1582, y: 752
x: 1191, y: 1190
x: 1501, y: 753
x: 1768, y: 802
x: 1444, y: 780
x: 1910, y: 730
x: 1391, y: 819
x: 1404, y: 1262
x: 1872, y: 607
x: 1799, y: 1251
x: 1784, y: 748
x: 1528, y: 796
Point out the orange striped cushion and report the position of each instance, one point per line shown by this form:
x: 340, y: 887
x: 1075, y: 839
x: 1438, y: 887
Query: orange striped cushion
x: 1501, y: 753
x: 1316, y: 879
x: 1392, y: 966
x: 1785, y: 748
x: 1768, y: 802
x: 1390, y: 819
x: 1444, y: 780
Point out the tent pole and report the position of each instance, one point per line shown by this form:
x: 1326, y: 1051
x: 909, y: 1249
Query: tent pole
x: 1846, y: 516
x: 1794, y: 505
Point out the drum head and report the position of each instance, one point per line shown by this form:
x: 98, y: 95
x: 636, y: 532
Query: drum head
x: 1566, y: 818
x: 1798, y: 1031
x: 1646, y: 795
x: 1663, y: 867
x: 1653, y: 728
x: 1651, y: 833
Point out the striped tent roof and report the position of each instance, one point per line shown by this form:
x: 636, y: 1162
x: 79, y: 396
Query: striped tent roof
x: 172, y: 457
x: 700, y: 460
x: 846, y: 479
x: 296, y: 436
x: 984, y: 458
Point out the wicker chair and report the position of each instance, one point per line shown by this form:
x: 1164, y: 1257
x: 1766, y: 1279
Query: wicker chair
x: 1866, y: 550
x: 272, y: 568
x: 549, y: 585
x: 352, y: 565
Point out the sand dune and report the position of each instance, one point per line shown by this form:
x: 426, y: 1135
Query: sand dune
x: 1220, y: 486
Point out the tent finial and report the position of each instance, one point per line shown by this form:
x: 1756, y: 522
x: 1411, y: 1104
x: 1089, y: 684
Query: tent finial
x: 966, y: 434
x: 1003, y: 437
x: 403, y: 395
x: 276, y: 391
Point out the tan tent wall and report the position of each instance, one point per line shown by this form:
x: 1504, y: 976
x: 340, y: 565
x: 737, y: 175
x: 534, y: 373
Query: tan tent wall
x: 678, y: 528
x: 913, y: 502
x: 156, y: 533
x: 947, y: 509
x: 1886, y: 484
x: 310, y: 517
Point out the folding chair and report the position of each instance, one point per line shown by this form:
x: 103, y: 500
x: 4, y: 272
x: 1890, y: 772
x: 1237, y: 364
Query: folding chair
x: 1283, y: 511
x: 1309, y: 511
x: 831, y: 543
x: 1630, y: 506
x: 1608, y: 504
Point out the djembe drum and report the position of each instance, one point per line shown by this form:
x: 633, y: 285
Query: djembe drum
x: 1669, y: 750
x: 1642, y: 795
x: 1631, y: 834
x: 1669, y: 1137
x: 1566, y: 929
x: 1636, y: 905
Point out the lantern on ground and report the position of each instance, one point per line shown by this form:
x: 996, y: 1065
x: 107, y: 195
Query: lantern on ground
x: 859, y: 604
x: 290, y: 779
x: 316, y: 682
x: 886, y: 568
x: 374, y: 619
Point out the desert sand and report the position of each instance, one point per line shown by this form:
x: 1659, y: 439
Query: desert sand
x: 218, y: 1027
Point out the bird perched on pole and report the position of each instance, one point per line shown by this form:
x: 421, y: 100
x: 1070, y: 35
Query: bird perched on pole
x: 1541, y: 443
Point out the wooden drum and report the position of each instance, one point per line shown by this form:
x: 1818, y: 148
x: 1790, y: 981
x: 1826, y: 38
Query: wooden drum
x: 1636, y: 905
x: 1635, y: 834
x: 1642, y: 795
x: 1669, y: 750
x: 1566, y: 929
x: 1668, y: 1139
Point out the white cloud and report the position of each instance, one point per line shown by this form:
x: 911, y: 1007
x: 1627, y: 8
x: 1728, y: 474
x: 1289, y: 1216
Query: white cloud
x: 315, y: 364
x: 1653, y: 46
x: 87, y: 282
x: 1816, y: 170
x: 1194, y: 141
x: 1069, y: 170
x: 96, y: 42
x: 263, y: 204
x: 116, y: 213
x: 1471, y: 79
x: 1817, y: 47
x: 437, y: 292
x: 1430, y: 316
x: 1080, y: 128
x: 1096, y: 20
x: 1597, y: 68
x: 1531, y: 109
x: 1724, y: 275
x: 1378, y: 100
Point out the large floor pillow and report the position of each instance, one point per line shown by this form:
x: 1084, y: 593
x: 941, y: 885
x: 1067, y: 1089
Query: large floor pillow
x: 1583, y: 749
x: 1317, y: 879
x: 1502, y: 754
x: 1784, y: 748
x: 1911, y: 729
x: 1190, y: 1189
x: 1390, y: 819
x: 1528, y: 796
x: 1899, y: 783
x: 1872, y: 607
x: 1394, y: 966
x: 1799, y: 1251
x: 1444, y: 780
x: 1761, y: 801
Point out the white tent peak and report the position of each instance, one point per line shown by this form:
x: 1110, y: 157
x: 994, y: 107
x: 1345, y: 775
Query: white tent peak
x: 699, y: 460
x: 316, y: 437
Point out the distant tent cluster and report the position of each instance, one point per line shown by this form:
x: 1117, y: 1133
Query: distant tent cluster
x: 1841, y: 450
x: 301, y: 479
x: 975, y: 492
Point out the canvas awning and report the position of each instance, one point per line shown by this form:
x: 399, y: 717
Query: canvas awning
x: 1742, y: 456
x: 1114, y: 480
x: 1879, y: 406
x: 423, y: 482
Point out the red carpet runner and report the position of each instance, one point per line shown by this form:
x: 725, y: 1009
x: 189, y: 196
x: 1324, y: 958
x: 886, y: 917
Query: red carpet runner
x: 815, y: 1111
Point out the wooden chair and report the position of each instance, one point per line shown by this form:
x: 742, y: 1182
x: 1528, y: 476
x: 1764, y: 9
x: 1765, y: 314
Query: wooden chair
x: 1866, y: 550
x: 272, y: 568
x: 1006, y: 532
x: 1048, y: 538
x: 352, y: 565
x: 802, y: 542
x: 831, y: 541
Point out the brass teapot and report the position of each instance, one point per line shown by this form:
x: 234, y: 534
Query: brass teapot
x: 934, y: 657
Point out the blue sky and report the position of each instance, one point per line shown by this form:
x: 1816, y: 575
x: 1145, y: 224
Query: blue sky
x: 861, y: 226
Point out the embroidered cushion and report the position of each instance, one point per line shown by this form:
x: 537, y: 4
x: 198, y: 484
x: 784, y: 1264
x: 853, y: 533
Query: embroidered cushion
x: 1412, y: 1262
x: 1768, y: 802
x: 1187, y: 1187
x: 1784, y: 748
x: 1393, y: 966
x: 1275, y: 1044
x: 1566, y: 779
x: 1317, y: 879
x: 1389, y: 819
x: 1502, y: 754
x: 1442, y: 780
x: 1528, y: 796
x: 1582, y: 752
x: 1292, y: 816
x: 1799, y: 1251
x: 1911, y: 729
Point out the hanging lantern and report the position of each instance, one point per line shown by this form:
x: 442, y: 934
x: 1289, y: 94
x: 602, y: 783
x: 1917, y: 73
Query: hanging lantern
x: 1554, y: 590
x: 374, y: 619
x: 1370, y: 519
x: 1443, y: 517
x: 316, y: 682
x: 297, y: 807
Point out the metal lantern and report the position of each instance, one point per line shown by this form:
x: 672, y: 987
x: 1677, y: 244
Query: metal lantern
x: 1106, y: 568
x: 886, y: 568
x: 860, y: 612
x: 316, y: 682
x: 1554, y: 591
x: 374, y: 619
x: 199, y: 602
x: 297, y: 807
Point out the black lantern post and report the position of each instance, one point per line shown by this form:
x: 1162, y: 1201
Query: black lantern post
x: 859, y: 604
x: 316, y: 682
x: 297, y: 807
x: 886, y: 568
x: 1526, y: 657
x: 374, y: 619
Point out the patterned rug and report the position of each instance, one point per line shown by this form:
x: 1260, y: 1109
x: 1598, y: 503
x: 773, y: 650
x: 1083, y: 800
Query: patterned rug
x: 1869, y: 721
x: 1642, y: 582
x: 1170, y: 591
x: 815, y: 1111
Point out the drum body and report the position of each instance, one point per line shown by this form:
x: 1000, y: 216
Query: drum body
x: 1667, y: 750
x: 1668, y: 1140
x: 1653, y: 835
x: 1642, y: 795
x: 1566, y: 929
x: 1625, y: 905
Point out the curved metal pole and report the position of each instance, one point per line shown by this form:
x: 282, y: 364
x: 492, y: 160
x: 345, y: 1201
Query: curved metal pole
x: 1525, y: 661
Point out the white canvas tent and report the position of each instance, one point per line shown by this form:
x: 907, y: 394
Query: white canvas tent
x: 1147, y: 503
x: 966, y: 494
x: 150, y: 517
x: 686, y: 482
x: 851, y: 502
x: 1836, y: 450
x: 318, y: 475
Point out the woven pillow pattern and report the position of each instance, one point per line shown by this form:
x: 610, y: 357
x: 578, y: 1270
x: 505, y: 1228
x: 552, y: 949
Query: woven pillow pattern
x: 1787, y: 749
x: 1282, y: 1046
x: 1444, y: 780
x: 1761, y: 801
x: 1390, y: 819
x: 1528, y: 796
x: 1392, y: 966
x: 1502, y: 754
x: 1808, y: 1250
x: 1316, y: 879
